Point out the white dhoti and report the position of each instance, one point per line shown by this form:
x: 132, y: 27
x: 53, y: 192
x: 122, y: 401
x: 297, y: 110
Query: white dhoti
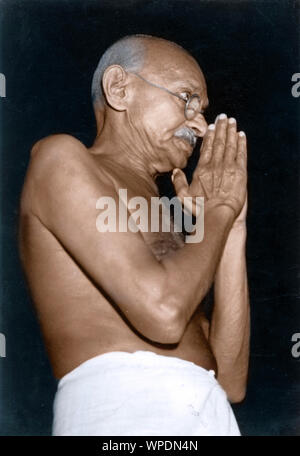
x: 141, y: 393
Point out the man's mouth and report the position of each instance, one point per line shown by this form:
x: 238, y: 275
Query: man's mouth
x: 186, y: 134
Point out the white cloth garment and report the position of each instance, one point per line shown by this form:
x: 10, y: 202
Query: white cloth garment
x: 141, y: 393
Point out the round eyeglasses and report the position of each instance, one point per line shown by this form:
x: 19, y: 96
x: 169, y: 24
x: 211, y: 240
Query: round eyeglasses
x: 192, y: 102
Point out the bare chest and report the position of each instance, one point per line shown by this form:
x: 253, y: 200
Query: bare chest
x: 145, y: 212
x: 163, y: 243
x: 154, y: 220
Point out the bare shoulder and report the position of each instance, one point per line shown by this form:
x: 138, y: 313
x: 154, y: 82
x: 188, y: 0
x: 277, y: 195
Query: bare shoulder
x: 59, y: 164
x: 62, y: 155
x: 56, y: 147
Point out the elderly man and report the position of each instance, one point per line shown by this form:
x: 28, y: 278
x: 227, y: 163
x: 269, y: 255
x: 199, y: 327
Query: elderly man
x: 121, y: 311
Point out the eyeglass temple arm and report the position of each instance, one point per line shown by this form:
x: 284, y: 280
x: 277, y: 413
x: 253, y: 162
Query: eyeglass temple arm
x: 160, y: 87
x: 166, y: 90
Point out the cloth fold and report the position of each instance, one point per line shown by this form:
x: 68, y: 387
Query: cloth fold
x: 141, y: 393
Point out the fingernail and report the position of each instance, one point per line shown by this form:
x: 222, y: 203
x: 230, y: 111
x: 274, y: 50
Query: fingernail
x: 232, y: 120
x: 211, y: 127
x: 172, y: 176
x: 241, y: 133
x: 222, y: 116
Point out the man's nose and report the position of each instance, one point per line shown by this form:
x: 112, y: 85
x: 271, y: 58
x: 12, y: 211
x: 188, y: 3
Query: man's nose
x: 198, y: 124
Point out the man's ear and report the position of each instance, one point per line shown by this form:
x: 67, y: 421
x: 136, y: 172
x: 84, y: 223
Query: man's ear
x: 114, y: 84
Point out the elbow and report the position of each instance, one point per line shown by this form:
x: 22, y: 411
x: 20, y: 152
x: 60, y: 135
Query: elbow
x: 236, y: 396
x: 172, y: 327
x: 234, y: 387
x: 167, y: 322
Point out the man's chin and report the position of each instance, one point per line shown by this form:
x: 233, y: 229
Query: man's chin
x: 184, y: 146
x: 178, y: 156
x: 181, y: 160
x: 175, y: 162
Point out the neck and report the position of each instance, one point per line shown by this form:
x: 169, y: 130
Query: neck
x: 120, y: 143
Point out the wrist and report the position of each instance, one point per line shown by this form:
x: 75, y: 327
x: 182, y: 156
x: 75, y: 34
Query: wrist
x: 239, y: 226
x: 220, y: 208
x: 236, y: 241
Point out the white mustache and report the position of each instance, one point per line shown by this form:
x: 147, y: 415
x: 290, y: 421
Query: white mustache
x: 187, y: 134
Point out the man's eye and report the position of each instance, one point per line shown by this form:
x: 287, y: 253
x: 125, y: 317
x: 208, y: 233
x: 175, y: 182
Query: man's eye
x: 185, y: 95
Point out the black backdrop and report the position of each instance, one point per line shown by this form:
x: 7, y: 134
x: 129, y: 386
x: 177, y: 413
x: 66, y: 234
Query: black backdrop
x: 248, y: 51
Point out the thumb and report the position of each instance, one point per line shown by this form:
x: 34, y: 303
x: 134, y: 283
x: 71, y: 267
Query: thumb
x: 180, y: 184
x: 182, y: 191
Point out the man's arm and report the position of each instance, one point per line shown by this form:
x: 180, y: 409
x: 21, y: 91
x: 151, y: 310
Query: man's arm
x: 230, y: 324
x: 158, y: 298
x: 229, y: 330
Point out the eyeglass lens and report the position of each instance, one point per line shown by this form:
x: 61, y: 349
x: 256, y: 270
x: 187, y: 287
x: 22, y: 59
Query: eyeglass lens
x: 192, y: 107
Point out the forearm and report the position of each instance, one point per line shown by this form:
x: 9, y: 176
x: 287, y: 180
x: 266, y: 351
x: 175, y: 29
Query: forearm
x: 190, y: 271
x: 230, y: 325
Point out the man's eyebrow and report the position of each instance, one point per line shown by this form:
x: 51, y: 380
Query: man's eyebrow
x: 192, y: 86
x: 184, y: 84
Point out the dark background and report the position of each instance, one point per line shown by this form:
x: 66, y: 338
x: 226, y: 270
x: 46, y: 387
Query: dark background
x: 248, y: 51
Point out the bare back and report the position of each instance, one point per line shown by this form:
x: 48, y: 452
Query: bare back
x: 78, y: 317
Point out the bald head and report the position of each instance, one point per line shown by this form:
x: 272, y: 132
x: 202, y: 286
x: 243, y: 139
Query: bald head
x: 136, y: 53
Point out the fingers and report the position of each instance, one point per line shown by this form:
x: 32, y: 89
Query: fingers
x: 221, y: 170
x: 189, y: 204
x: 231, y: 142
x: 180, y: 184
x: 220, y: 139
x: 207, y: 146
x: 241, y: 157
